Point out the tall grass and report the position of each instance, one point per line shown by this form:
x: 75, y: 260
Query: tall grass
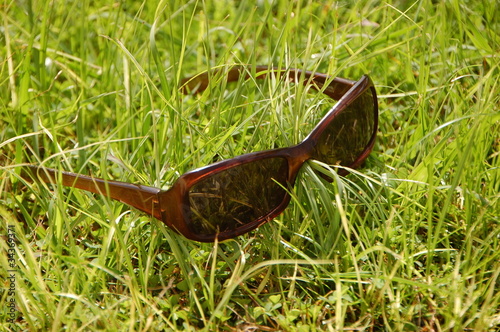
x: 411, y: 241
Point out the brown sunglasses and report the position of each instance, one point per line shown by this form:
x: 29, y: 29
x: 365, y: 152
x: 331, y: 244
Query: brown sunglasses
x: 234, y: 196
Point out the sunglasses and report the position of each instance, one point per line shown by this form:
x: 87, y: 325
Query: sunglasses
x: 234, y: 196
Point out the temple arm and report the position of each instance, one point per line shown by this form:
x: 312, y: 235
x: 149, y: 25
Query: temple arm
x: 141, y: 197
x: 335, y: 89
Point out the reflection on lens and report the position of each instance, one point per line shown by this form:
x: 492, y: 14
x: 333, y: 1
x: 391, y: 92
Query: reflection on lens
x: 237, y: 196
x: 347, y: 136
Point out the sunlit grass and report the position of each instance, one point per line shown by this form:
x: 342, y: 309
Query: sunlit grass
x: 410, y: 241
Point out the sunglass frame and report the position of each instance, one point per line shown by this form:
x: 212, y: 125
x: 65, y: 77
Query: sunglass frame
x: 172, y: 206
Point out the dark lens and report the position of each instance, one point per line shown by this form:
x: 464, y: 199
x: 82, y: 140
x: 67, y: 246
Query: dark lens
x: 348, y: 134
x: 237, y: 196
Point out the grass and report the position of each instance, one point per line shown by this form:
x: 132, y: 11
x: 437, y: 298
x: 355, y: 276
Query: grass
x: 409, y: 242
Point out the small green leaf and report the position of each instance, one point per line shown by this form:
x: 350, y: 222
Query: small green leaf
x: 275, y: 298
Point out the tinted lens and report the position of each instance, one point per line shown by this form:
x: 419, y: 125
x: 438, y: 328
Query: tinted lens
x: 348, y: 134
x: 237, y: 196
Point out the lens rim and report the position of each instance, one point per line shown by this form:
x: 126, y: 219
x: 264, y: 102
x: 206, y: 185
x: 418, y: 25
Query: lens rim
x: 174, y: 203
x: 176, y: 208
x: 364, y: 84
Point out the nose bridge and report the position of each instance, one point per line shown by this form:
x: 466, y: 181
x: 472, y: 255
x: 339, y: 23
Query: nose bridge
x: 299, y: 154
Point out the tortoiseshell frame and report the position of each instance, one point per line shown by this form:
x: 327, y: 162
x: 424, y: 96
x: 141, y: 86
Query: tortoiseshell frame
x: 172, y: 206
